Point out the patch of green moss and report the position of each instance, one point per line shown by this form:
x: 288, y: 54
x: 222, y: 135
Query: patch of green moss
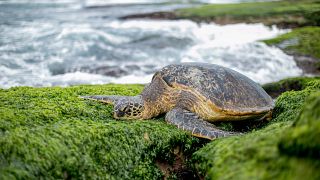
x: 288, y: 105
x: 255, y: 155
x: 298, y: 12
x: 50, y: 133
x: 290, y: 84
x: 303, y: 138
x: 306, y: 41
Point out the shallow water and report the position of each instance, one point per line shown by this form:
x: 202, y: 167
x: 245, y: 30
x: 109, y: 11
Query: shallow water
x: 66, y: 42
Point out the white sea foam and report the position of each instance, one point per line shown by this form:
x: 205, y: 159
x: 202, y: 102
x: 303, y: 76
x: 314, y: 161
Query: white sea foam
x: 133, y: 79
x: 102, y: 2
x: 234, y: 34
x: 85, y: 29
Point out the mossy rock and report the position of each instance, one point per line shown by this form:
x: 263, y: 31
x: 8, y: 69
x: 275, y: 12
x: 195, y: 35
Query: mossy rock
x: 51, y: 133
x: 285, y: 13
x: 303, y: 138
x: 313, y: 18
x: 304, y: 41
x: 290, y: 84
x: 256, y: 155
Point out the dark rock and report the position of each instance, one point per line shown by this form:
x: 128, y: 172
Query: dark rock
x: 154, y: 15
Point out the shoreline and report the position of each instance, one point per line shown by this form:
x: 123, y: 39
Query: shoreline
x: 172, y: 15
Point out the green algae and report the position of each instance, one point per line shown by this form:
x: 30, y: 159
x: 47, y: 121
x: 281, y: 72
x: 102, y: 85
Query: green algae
x: 51, y: 133
x: 274, y: 89
x: 302, y: 139
x: 256, y: 155
x: 306, y: 41
x: 290, y: 12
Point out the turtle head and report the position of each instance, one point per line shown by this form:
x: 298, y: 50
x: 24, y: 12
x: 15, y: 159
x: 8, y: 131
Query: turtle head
x: 129, y: 108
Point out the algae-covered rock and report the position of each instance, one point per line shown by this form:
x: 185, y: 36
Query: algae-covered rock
x: 304, y: 41
x: 274, y: 89
x: 303, y: 138
x: 256, y: 155
x: 285, y: 13
x: 50, y: 133
x: 288, y: 105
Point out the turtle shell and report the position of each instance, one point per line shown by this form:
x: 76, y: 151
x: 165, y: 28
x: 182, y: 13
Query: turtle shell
x: 227, y: 89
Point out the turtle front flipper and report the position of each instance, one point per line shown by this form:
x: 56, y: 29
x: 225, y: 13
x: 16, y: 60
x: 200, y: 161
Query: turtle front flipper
x: 189, y: 121
x: 111, y: 99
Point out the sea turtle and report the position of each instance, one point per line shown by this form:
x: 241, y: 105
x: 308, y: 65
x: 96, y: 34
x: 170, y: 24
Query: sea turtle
x: 192, y: 95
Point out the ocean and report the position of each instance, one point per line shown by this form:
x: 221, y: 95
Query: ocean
x: 70, y: 42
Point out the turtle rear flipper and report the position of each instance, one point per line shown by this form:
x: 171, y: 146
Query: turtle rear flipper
x: 111, y: 99
x: 189, y: 121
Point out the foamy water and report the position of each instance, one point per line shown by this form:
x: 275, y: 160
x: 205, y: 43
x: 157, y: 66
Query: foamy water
x: 59, y: 46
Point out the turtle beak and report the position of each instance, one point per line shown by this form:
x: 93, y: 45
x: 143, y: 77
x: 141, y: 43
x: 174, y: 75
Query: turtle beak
x: 115, y: 115
x: 118, y: 114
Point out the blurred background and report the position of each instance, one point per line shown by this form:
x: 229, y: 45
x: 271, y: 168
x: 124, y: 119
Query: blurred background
x: 69, y: 42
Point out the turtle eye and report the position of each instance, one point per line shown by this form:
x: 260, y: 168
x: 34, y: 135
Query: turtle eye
x: 124, y: 109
